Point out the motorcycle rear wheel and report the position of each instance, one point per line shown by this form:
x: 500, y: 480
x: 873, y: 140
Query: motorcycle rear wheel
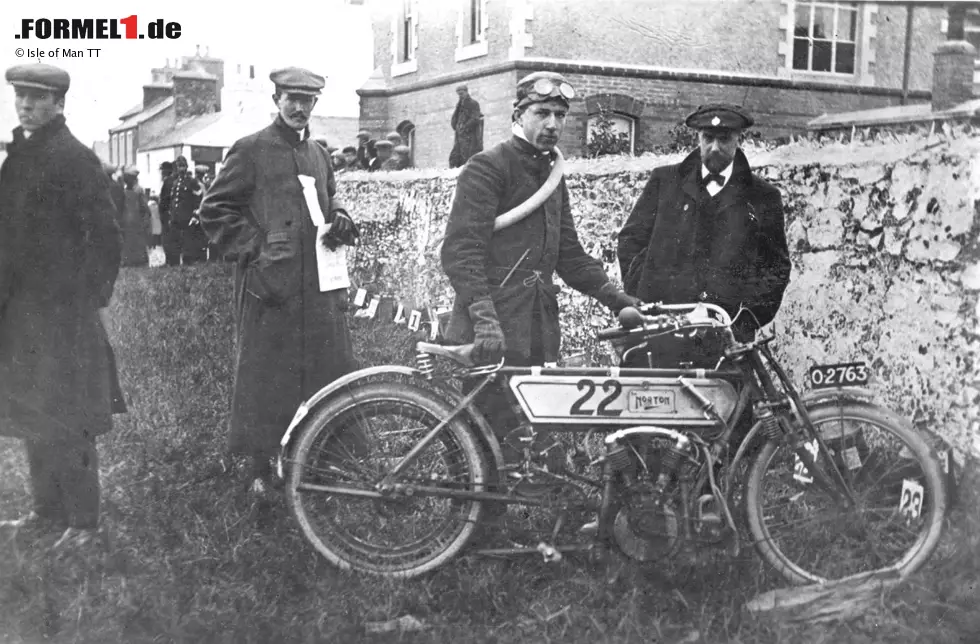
x: 351, y: 442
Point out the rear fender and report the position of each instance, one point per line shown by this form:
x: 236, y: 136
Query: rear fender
x: 340, y: 385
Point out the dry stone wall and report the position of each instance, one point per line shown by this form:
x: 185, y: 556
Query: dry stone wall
x: 885, y: 242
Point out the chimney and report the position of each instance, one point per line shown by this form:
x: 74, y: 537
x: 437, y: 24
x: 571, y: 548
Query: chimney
x: 195, y: 92
x: 155, y: 92
x: 953, y: 63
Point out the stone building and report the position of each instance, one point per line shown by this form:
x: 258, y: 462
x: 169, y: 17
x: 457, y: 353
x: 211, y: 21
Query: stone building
x: 644, y: 63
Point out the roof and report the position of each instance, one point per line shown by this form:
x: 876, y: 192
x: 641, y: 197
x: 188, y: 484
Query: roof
x: 139, y: 117
x: 136, y: 109
x: 893, y: 115
x: 194, y: 73
x: 184, y: 132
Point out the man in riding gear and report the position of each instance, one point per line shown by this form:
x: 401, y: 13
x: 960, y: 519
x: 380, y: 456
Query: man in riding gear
x: 506, y: 298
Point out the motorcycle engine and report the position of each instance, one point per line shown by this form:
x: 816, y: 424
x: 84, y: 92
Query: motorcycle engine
x: 644, y: 529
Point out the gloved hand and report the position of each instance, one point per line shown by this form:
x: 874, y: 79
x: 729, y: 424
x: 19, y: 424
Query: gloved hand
x: 342, y: 231
x: 489, y: 337
x: 616, y: 299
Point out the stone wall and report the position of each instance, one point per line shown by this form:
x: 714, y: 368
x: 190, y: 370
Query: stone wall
x: 885, y: 242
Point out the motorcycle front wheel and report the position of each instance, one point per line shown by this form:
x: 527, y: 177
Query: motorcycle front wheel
x: 809, y: 533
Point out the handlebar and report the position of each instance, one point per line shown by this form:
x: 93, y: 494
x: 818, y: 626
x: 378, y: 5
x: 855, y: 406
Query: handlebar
x: 656, y: 317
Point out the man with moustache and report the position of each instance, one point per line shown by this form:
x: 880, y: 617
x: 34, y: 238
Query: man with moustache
x: 506, y: 298
x: 273, y: 206
x: 707, y: 230
x: 59, y: 257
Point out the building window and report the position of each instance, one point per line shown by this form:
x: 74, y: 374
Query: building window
x: 471, y: 30
x: 825, y: 37
x: 128, y: 157
x: 407, y: 130
x: 611, y: 133
x: 475, y: 21
x: 405, y: 32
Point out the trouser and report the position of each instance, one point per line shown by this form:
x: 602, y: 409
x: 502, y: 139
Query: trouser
x: 65, y: 480
x: 194, y: 244
x: 171, y: 244
x: 494, y: 400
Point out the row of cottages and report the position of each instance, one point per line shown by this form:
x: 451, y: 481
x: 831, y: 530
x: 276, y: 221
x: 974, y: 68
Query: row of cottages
x: 646, y: 62
x: 198, y: 108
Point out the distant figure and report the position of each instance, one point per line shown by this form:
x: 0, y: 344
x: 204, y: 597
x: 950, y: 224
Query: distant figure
x: 169, y: 232
x: 156, y: 227
x: 364, y: 154
x: 185, y: 197
x: 399, y: 159
x: 350, y: 156
x: 395, y: 138
x: 116, y: 190
x: 371, y: 153
x: 383, y: 149
x: 134, y: 221
x: 467, y: 122
x: 338, y: 161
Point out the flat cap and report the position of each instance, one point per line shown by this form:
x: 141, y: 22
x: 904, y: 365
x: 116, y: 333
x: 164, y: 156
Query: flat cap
x: 364, y: 134
x: 462, y: 86
x: 719, y: 115
x: 200, y: 167
x: 384, y: 143
x: 402, y: 149
x: 130, y: 171
x: 298, y: 80
x: 166, y: 165
x: 39, y: 76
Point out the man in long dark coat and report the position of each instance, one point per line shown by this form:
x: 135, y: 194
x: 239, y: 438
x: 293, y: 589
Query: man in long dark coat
x: 134, y: 221
x: 272, y: 204
x: 169, y: 233
x: 59, y: 257
x: 186, y: 193
x: 506, y: 299
x: 467, y: 123
x: 708, y: 229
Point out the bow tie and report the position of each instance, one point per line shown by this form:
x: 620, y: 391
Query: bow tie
x: 717, y: 178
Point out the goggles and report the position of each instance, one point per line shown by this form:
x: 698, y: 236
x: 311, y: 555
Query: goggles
x: 545, y: 88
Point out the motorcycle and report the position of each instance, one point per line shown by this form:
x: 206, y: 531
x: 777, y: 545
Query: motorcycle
x: 393, y: 471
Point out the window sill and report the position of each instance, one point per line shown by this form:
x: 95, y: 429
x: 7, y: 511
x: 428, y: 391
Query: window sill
x: 475, y: 50
x: 408, y: 67
x: 830, y: 77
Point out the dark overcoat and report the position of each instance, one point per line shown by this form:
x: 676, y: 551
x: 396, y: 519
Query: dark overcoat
x: 292, y: 338
x: 477, y: 259
x: 59, y: 257
x: 681, y: 245
x: 467, y: 123
x: 134, y: 223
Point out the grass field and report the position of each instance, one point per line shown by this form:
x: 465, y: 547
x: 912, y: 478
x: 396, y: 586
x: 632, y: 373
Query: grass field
x: 189, y: 560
